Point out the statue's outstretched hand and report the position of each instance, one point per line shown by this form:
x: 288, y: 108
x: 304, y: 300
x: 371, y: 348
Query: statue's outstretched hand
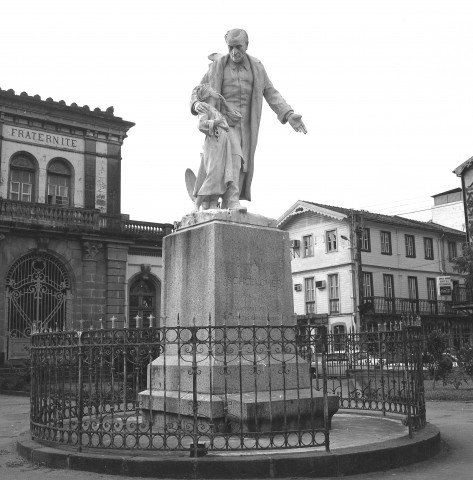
x: 296, y: 123
x: 201, y: 107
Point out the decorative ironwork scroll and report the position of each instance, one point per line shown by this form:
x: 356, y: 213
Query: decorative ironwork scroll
x: 36, y: 291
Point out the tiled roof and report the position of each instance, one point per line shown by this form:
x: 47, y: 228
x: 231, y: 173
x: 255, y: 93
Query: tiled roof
x: 390, y: 219
x: 459, y: 170
x: 109, y: 112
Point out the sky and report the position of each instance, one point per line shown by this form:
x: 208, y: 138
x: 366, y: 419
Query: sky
x: 385, y: 89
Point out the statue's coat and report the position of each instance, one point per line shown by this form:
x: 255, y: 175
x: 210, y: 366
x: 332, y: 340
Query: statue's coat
x: 262, y: 87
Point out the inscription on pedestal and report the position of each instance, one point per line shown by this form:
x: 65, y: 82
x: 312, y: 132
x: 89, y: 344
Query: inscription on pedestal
x: 229, y: 272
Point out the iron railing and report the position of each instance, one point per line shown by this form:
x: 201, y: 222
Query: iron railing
x: 407, y: 305
x: 41, y: 213
x: 379, y: 371
x: 462, y: 295
x: 211, y: 388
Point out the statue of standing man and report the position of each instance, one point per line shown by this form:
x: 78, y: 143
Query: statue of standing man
x: 243, y: 82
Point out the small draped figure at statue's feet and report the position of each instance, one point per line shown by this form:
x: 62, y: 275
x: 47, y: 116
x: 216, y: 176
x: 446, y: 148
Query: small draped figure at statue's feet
x: 219, y: 170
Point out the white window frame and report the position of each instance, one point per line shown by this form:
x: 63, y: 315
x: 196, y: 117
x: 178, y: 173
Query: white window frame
x: 428, y: 248
x: 339, y: 337
x: 331, y: 242
x: 309, y: 293
x: 21, y: 191
x: 413, y: 282
x: 388, y: 287
x: 368, y: 290
x: 410, y: 242
x: 333, y: 293
x: 386, y: 241
x: 308, y: 248
x: 365, y: 240
x: 431, y: 289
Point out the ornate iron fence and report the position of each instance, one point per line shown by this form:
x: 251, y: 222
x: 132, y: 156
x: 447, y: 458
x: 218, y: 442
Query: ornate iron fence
x: 379, y: 371
x: 212, y: 388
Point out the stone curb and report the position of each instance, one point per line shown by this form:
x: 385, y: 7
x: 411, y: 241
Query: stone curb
x: 340, y: 462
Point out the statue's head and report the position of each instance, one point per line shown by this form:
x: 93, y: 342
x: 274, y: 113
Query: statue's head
x: 237, y: 41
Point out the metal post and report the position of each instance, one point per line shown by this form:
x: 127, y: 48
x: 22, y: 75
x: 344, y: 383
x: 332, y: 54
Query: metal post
x: 405, y: 338
x: 324, y: 373
x: 195, y: 404
x: 80, y: 406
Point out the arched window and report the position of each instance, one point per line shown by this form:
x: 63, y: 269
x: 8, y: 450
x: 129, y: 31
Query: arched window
x: 22, y: 178
x: 59, y: 183
x: 144, y: 302
x: 339, y: 337
x: 37, y: 287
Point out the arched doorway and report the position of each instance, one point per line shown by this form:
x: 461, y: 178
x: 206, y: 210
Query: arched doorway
x: 37, y: 287
x: 144, y: 301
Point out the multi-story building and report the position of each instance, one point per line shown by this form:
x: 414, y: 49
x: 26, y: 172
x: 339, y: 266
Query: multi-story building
x: 68, y: 256
x: 353, y: 270
x: 448, y: 209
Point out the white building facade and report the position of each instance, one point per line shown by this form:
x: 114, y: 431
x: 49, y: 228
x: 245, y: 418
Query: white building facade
x: 354, y: 268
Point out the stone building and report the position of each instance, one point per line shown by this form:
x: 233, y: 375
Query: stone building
x: 68, y: 257
x: 355, y: 270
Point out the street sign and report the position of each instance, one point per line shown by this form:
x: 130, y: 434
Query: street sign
x: 444, y: 286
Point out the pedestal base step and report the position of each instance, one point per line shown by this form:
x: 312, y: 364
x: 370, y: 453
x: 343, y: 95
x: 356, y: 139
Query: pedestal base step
x: 249, y: 412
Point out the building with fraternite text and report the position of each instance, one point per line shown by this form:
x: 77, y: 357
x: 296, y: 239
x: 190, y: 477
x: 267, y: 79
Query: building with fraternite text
x: 68, y: 257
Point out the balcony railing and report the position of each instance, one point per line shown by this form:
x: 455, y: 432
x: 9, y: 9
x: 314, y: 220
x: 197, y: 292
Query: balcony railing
x: 60, y: 217
x: 407, y: 305
x: 462, y: 295
x: 134, y: 227
x: 44, y: 214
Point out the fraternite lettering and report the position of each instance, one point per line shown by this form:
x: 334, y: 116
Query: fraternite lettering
x: 43, y: 138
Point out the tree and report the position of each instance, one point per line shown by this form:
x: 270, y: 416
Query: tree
x: 464, y: 264
x: 439, y: 364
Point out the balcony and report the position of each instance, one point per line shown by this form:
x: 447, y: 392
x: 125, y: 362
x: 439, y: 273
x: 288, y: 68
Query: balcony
x: 63, y: 218
x: 462, y: 295
x: 374, y: 305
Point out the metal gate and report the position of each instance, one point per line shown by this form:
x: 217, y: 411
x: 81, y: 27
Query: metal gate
x: 36, y: 289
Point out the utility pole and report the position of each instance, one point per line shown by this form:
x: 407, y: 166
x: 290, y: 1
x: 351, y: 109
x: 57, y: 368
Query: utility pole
x: 357, y: 229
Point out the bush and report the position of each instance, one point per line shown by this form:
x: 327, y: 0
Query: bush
x: 465, y: 358
x: 444, y: 367
x: 439, y: 364
x: 457, y: 378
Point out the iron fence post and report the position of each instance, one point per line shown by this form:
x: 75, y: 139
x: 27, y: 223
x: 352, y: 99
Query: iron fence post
x: 405, y: 338
x: 33, y: 393
x: 194, y: 386
x: 80, y: 405
x: 382, y: 338
x: 325, y: 394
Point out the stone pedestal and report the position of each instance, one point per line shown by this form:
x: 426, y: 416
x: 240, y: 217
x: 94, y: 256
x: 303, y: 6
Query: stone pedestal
x: 224, y: 268
x: 227, y: 264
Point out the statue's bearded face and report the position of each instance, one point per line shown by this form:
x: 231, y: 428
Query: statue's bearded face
x: 237, y: 47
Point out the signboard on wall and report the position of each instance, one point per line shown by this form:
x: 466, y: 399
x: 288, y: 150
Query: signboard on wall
x: 444, y: 286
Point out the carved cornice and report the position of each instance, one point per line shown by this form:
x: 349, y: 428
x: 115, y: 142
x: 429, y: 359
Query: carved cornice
x: 91, y: 249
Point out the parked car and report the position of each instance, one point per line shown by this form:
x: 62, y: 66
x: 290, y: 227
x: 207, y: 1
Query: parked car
x: 452, y: 358
x: 363, y: 360
x: 449, y: 360
x: 336, y: 364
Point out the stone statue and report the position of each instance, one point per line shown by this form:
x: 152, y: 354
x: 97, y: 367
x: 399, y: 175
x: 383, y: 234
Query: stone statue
x: 216, y: 168
x: 243, y: 82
